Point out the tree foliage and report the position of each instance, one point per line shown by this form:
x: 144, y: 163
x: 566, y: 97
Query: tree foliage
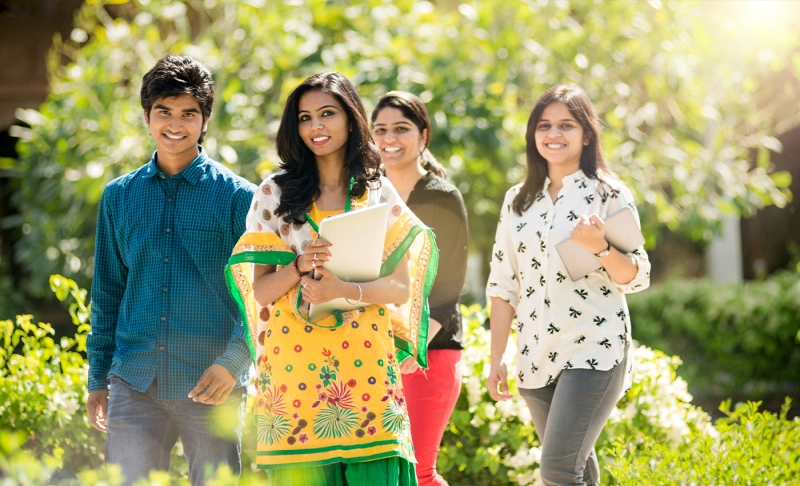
x: 678, y: 112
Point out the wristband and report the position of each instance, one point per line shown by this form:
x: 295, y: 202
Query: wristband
x: 297, y: 268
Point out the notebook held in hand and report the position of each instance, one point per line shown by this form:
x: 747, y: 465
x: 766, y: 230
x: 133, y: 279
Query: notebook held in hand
x: 358, y: 237
x: 622, y: 232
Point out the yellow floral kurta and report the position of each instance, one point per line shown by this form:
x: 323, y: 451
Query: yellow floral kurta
x: 330, y: 391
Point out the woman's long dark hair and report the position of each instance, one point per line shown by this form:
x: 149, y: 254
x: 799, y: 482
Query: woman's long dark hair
x: 299, y: 183
x: 414, y: 109
x: 592, y: 162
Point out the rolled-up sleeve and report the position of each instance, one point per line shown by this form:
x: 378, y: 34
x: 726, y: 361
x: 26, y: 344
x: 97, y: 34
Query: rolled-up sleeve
x: 503, y: 276
x: 642, y: 279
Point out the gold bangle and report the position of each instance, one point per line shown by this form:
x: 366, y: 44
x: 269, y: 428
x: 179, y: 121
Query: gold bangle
x: 360, y: 295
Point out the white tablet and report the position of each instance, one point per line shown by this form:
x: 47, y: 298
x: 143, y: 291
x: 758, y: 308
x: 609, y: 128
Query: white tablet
x: 356, y: 255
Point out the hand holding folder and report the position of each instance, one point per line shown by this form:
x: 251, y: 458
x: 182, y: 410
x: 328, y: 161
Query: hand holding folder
x: 357, y: 237
x: 622, y: 232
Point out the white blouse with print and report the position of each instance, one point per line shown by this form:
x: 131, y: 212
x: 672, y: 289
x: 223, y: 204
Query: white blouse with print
x: 562, y: 324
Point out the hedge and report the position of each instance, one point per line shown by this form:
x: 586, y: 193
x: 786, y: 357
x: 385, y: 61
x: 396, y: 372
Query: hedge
x: 732, y: 337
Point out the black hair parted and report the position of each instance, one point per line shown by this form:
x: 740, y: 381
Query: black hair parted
x: 414, y: 109
x: 299, y: 181
x: 175, y: 76
x: 592, y: 161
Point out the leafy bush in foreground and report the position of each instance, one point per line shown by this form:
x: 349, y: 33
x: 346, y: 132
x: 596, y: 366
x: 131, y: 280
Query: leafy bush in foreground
x: 750, y: 448
x: 655, y: 436
x: 43, y: 385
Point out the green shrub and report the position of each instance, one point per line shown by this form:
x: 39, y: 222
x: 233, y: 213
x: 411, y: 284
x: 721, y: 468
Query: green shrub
x: 43, y: 385
x: 655, y: 435
x: 749, y: 448
x: 483, y: 434
x: 45, y: 436
x: 729, y: 335
x: 10, y: 297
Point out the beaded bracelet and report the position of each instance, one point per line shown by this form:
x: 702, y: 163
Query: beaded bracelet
x: 360, y: 295
x: 297, y: 268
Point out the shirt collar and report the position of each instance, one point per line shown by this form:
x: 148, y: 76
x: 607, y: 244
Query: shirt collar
x: 193, y: 173
x: 568, y: 180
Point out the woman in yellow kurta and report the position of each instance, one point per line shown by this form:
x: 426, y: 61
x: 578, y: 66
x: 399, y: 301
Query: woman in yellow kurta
x: 330, y: 408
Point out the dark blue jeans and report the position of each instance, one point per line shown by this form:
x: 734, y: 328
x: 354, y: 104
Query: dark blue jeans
x: 143, y: 430
x: 569, y: 416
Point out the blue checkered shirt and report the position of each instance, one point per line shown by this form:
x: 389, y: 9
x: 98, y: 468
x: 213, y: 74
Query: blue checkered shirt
x: 160, y: 307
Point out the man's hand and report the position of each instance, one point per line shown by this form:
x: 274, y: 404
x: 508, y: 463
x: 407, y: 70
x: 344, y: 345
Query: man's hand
x: 214, y: 386
x: 97, y: 407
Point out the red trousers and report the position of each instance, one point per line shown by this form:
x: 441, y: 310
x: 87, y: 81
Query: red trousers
x: 431, y: 397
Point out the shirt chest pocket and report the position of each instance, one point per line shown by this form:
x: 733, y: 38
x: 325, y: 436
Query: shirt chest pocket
x: 206, y: 247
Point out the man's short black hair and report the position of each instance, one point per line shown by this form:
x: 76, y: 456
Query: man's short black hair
x: 175, y: 76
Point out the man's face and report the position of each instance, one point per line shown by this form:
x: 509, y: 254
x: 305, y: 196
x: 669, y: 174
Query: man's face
x: 176, y: 124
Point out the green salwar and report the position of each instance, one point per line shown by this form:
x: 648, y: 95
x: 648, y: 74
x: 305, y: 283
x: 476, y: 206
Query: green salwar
x: 392, y: 471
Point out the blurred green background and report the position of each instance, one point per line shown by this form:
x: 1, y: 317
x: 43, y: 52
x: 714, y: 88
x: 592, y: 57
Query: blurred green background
x: 700, y: 102
x: 692, y: 95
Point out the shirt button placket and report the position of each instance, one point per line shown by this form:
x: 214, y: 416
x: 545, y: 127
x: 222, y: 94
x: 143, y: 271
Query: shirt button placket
x: 166, y: 269
x: 548, y: 225
x: 545, y: 254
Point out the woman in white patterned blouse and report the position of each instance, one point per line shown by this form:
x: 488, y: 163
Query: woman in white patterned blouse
x: 573, y: 338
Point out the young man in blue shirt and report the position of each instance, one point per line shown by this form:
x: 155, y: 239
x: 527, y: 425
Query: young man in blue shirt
x: 167, y: 350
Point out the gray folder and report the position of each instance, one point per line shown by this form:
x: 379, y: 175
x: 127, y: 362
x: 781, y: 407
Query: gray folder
x: 622, y: 233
